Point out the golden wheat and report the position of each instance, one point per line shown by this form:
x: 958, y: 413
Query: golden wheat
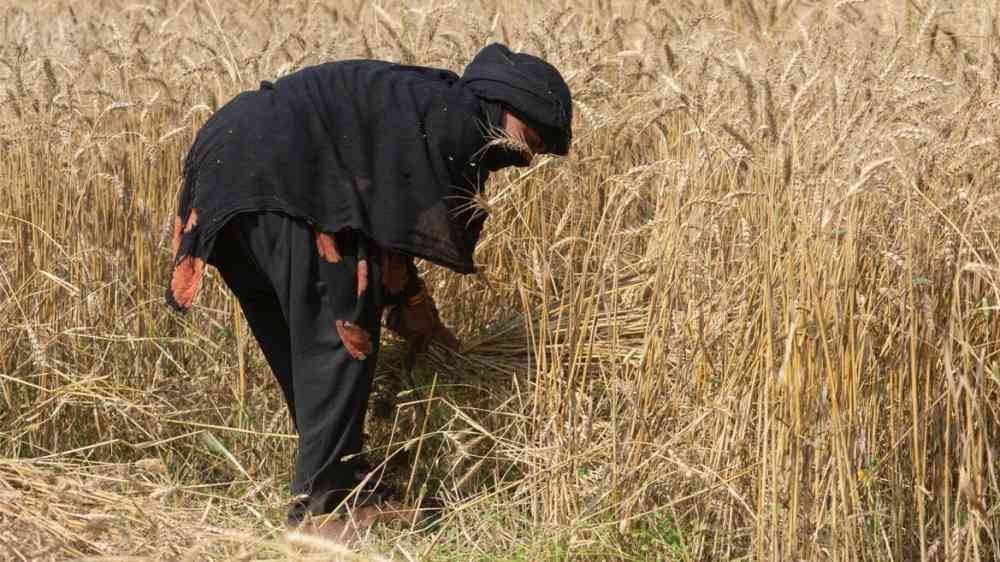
x: 755, y: 315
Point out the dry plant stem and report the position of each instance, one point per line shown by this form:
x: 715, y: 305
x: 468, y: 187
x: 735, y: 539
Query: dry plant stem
x: 755, y: 314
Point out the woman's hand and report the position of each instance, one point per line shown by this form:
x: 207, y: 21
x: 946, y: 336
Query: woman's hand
x: 417, y: 321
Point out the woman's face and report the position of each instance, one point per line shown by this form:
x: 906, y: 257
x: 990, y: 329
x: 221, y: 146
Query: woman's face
x: 523, y: 132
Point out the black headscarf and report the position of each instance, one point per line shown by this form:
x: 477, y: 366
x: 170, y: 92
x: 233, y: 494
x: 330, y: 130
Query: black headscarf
x: 529, y: 87
x: 396, y: 152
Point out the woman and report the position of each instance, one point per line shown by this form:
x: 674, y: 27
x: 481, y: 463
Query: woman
x: 312, y: 196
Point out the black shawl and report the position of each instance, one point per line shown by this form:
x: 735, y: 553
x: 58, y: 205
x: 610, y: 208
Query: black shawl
x: 396, y: 152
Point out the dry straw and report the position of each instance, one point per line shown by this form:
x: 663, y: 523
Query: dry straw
x: 753, y: 316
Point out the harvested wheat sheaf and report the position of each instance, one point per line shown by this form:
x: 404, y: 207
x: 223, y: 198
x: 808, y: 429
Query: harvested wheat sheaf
x: 754, y: 315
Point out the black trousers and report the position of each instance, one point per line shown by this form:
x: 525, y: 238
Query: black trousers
x: 292, y: 297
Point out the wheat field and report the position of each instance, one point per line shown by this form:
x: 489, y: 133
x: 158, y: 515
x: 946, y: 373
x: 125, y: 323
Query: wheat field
x: 755, y: 315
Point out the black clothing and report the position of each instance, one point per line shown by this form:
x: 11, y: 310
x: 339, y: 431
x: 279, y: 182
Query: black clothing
x: 292, y: 298
x: 394, y: 152
x: 380, y: 148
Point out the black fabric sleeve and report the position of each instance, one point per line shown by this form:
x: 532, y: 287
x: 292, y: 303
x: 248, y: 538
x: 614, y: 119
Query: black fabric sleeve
x: 414, y: 284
